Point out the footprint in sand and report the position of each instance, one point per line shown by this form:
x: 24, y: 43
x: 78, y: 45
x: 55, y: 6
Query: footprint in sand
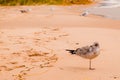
x: 1, y: 42
x: 5, y: 68
x: 16, y: 54
x: 63, y: 35
x: 13, y: 62
x: 115, y: 77
x: 37, y: 33
x: 19, y: 66
x: 55, y: 29
x: 4, y: 49
x: 20, y: 42
x: 20, y: 76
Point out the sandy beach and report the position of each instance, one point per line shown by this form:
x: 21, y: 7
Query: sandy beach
x: 33, y: 44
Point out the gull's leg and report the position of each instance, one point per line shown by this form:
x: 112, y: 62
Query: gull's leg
x: 90, y: 68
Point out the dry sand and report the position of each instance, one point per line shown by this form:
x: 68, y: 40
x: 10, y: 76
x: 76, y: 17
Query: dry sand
x: 32, y: 45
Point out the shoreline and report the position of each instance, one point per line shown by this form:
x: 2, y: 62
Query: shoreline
x: 44, y: 17
x: 111, y: 13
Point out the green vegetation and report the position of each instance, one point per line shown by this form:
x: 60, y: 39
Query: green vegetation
x: 39, y: 2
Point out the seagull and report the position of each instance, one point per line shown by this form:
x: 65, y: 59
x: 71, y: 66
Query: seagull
x: 85, y: 13
x: 87, y: 52
x: 25, y: 10
x: 52, y: 10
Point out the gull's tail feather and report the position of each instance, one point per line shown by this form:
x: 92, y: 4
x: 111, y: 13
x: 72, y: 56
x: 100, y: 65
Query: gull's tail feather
x: 71, y: 51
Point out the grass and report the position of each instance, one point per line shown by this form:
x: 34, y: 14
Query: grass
x: 39, y: 2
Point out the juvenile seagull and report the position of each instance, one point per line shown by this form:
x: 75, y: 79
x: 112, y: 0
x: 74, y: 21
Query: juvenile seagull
x: 85, y: 13
x: 87, y: 52
x: 25, y: 10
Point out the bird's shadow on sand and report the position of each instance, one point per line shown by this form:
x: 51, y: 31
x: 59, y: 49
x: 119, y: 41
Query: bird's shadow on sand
x: 74, y: 68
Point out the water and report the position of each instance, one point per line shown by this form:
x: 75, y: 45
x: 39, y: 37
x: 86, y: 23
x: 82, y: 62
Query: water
x: 107, y: 8
x: 109, y: 3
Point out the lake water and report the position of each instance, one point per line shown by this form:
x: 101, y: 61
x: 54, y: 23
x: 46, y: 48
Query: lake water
x: 107, y: 8
x: 109, y: 3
